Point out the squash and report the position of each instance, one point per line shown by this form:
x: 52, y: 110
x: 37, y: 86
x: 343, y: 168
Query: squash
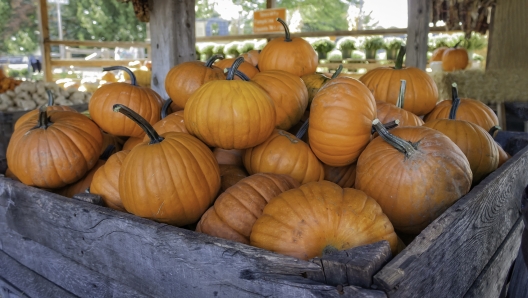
x: 245, y: 67
x: 387, y: 112
x: 342, y: 176
x: 252, y: 57
x: 34, y: 113
x: 105, y: 181
x: 131, y: 143
x: 230, y: 175
x: 228, y: 157
x: 455, y: 58
x: 169, y: 122
x: 316, y: 81
x: 438, y: 53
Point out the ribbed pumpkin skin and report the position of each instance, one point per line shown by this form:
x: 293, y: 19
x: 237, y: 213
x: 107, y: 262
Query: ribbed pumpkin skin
x: 421, y: 93
x: 283, y: 153
x: 342, y: 176
x: 230, y: 114
x: 476, y: 143
x: 415, y: 190
x: 247, y: 68
x: 131, y: 143
x: 184, y: 79
x: 503, y: 155
x: 109, y: 139
x: 438, y: 53
x: 469, y: 109
x: 455, y: 59
x: 173, y: 122
x: 296, y: 57
x: 173, y: 182
x: 230, y: 175
x: 252, y: 57
x: 388, y: 112
x: 228, y: 157
x: 235, y: 211
x: 105, y: 181
x: 313, y: 83
x: 80, y: 186
x: 145, y: 101
x: 303, y: 222
x: 33, y: 114
x: 288, y: 93
x: 57, y: 156
x: 341, y: 118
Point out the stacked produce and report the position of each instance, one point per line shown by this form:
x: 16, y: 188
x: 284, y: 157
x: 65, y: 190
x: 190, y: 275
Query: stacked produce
x: 7, y: 83
x: 280, y: 158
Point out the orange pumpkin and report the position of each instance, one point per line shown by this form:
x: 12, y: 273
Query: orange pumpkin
x: 10, y: 174
x: 455, y: 59
x: 235, y: 211
x: 342, y: 176
x: 316, y: 81
x: 319, y: 216
x: 116, y: 142
x: 185, y: 78
x: 230, y: 114
x: 142, y: 99
x: 105, y: 181
x: 169, y: 122
x: 230, y: 175
x: 388, y: 112
x: 246, y: 68
x: 131, y: 143
x: 421, y: 93
x: 228, y: 157
x: 341, y: 117
x: 252, y: 57
x: 173, y: 178
x: 34, y: 113
x: 438, y: 53
x: 390, y: 166
x: 293, y: 55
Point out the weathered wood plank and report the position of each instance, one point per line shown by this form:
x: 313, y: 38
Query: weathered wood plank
x: 89, y: 198
x: 512, y: 141
x: 418, y: 17
x: 461, y: 241
x: 518, y: 287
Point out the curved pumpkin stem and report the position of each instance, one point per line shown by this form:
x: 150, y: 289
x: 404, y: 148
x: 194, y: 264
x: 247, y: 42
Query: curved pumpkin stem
x: 43, y: 120
x: 210, y: 61
x: 494, y: 129
x: 399, y: 60
x: 455, y: 101
x: 401, y: 96
x: 303, y: 129
x: 403, y: 146
x: 232, y: 70
x: 133, y: 80
x: 286, y: 30
x: 149, y: 130
x: 165, y: 108
x: 389, y: 125
x: 457, y: 44
x: 107, y: 152
x: 337, y: 72
x: 51, y: 100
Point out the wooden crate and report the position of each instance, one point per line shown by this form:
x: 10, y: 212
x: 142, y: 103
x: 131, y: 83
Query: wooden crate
x: 51, y: 246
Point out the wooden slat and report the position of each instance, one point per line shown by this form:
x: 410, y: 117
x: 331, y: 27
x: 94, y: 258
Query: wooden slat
x: 518, y: 287
x: 43, y: 39
x: 417, y: 30
x: 448, y: 256
x: 99, y: 44
x: 91, y: 63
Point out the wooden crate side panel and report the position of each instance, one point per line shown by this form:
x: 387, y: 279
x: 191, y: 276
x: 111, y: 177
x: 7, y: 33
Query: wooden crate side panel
x: 461, y: 241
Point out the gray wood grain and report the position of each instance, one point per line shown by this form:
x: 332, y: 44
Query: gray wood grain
x: 518, y: 287
x: 461, y: 241
x: 89, y: 198
x: 417, y: 30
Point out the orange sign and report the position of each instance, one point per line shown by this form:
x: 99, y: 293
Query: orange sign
x: 265, y: 21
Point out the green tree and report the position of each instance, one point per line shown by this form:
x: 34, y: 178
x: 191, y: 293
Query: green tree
x: 18, y: 26
x: 205, y: 9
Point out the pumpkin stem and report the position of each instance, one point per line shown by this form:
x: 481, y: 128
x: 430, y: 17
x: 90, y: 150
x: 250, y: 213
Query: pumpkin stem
x: 133, y: 80
x: 289, y: 136
x: 239, y: 74
x: 149, y: 130
x: 404, y: 147
x: 401, y: 96
x: 494, y: 129
x: 107, y: 152
x: 286, y: 29
x: 232, y: 70
x: 457, y: 44
x: 389, y: 125
x: 210, y: 61
x: 51, y: 100
x: 337, y: 72
x: 399, y: 59
x: 43, y: 120
x: 455, y: 101
x: 303, y: 129
x: 165, y: 108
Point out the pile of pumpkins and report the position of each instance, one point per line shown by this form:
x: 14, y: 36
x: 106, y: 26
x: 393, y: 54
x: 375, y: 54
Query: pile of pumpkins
x: 264, y: 151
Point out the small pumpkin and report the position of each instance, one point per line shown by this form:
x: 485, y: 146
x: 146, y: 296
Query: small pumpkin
x: 345, y: 176
x: 252, y: 57
x: 245, y: 67
x: 132, y: 142
x: 438, y: 53
x: 455, y: 58
x: 230, y: 175
x: 105, y: 181
x: 319, y: 216
x: 34, y: 113
x: 293, y: 55
x: 115, y: 141
x: 387, y: 112
x: 169, y: 122
x: 316, y: 81
x: 228, y: 157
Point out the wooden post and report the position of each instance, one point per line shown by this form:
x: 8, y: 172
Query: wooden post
x: 172, y: 36
x: 44, y: 39
x: 271, y: 3
x: 419, y: 12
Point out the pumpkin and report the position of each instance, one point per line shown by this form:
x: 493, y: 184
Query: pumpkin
x: 230, y: 114
x: 288, y: 93
x: 316, y: 81
x: 142, y: 99
x: 476, y: 143
x: 10, y: 174
x: 185, y: 78
x: 284, y: 153
x: 469, y: 109
x: 34, y: 113
x: 421, y: 93
x: 169, y: 122
x: 235, y: 211
x: 252, y: 57
x: 388, y: 112
x: 293, y: 55
x: 116, y: 142
x: 245, y: 67
x: 173, y: 178
x: 342, y: 176
x: 438, y: 53
x: 228, y: 157
x: 55, y: 150
x: 105, y: 181
x: 131, y: 143
x: 414, y: 173
x: 341, y: 117
x: 321, y: 216
x: 230, y: 175
x: 455, y: 59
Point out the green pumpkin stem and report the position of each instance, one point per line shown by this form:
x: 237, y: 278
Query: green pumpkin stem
x: 455, y: 102
x: 149, y: 130
x: 303, y: 129
x: 401, y: 96
x: 210, y: 61
x: 399, y: 59
x: 403, y: 146
x: 494, y: 129
x: 287, y: 37
x: 107, y: 152
x: 51, y: 100
x: 337, y: 72
x: 133, y: 80
x: 43, y: 121
x: 165, y: 108
x: 457, y: 44
x: 232, y: 70
x: 389, y: 125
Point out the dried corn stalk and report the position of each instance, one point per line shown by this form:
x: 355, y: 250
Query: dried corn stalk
x: 468, y: 15
x: 141, y: 8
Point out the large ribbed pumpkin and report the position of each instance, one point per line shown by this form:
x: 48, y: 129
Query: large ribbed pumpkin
x: 51, y: 107
x: 105, y: 181
x: 144, y: 100
x: 319, y: 216
x: 414, y: 173
x: 57, y: 149
x: 235, y: 211
x: 341, y: 117
x: 173, y: 178
x: 388, y: 112
x: 288, y: 93
x: 384, y: 82
x: 185, y: 78
x: 284, y: 153
x: 316, y: 81
x: 230, y: 175
x: 293, y: 55
x: 230, y: 114
x: 342, y: 176
x: 228, y: 157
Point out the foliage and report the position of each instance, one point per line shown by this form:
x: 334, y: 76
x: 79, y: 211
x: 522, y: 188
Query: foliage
x: 245, y: 47
x: 346, y: 43
x: 357, y: 55
x: 335, y: 55
x: 205, y: 9
x: 232, y: 49
x: 219, y: 49
x: 18, y: 26
x: 323, y: 45
x: 393, y: 43
x: 207, y: 49
x: 475, y: 42
x: 260, y: 45
x: 373, y: 43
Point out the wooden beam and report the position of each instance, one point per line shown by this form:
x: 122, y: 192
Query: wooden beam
x: 44, y: 38
x: 99, y: 44
x: 91, y: 63
x: 419, y: 12
x: 271, y: 3
x: 172, y: 36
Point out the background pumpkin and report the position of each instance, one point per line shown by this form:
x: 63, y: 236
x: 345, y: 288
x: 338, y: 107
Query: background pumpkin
x: 169, y: 122
x: 230, y: 175
x: 105, y: 181
x: 245, y: 67
x: 342, y: 176
x: 228, y: 157
x: 252, y: 57
x: 438, y: 53
x: 387, y: 112
x: 316, y: 81
x: 455, y: 58
x: 132, y: 142
x: 51, y: 107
